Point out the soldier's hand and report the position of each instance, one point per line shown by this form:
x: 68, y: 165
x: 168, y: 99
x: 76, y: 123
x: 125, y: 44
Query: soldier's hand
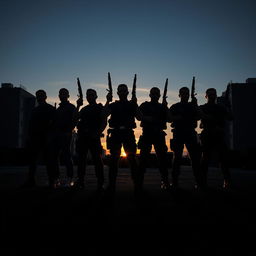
x: 165, y: 103
x: 109, y: 97
x: 134, y: 99
x: 194, y: 100
x: 79, y: 102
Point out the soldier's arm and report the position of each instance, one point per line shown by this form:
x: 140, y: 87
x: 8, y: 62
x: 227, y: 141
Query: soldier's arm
x: 79, y: 103
x: 203, y: 115
x: 199, y: 114
x: 169, y: 115
x: 138, y: 115
x: 52, y: 117
x: 104, y: 120
x: 75, y: 117
x: 106, y: 109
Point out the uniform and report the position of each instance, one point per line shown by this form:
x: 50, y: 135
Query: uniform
x: 153, y: 134
x: 183, y: 129
x: 122, y: 123
x: 89, y: 133
x: 64, y: 123
x: 40, y: 129
x: 213, y: 137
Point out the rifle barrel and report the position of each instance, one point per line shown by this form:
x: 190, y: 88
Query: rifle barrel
x: 193, y: 94
x: 80, y: 92
x: 134, y: 84
x: 109, y: 83
x: 165, y: 90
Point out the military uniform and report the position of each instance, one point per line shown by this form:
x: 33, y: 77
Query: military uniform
x: 40, y: 128
x: 89, y: 133
x: 153, y: 134
x: 121, y: 123
x: 213, y: 137
x: 64, y: 123
x: 183, y: 128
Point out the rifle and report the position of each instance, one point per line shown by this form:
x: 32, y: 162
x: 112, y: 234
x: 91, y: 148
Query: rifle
x: 165, y: 92
x: 110, y: 89
x: 193, y: 94
x: 80, y: 92
x: 134, y: 89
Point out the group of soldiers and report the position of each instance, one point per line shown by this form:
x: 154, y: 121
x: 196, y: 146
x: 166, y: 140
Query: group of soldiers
x: 51, y: 131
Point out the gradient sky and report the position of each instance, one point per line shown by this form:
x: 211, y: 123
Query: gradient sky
x: 48, y: 44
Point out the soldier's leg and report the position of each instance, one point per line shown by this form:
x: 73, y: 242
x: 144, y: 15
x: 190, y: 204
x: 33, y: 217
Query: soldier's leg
x: 54, y: 148
x: 48, y: 158
x: 66, y: 154
x: 82, y: 150
x: 96, y: 151
x: 115, y: 151
x: 161, y: 152
x: 177, y: 157
x: 224, y: 164
x: 130, y: 148
x: 145, y: 146
x: 33, y: 152
x: 207, y: 149
x: 194, y: 151
x: 206, y: 155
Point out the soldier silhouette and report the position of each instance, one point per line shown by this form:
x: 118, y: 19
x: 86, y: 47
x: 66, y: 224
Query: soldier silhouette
x: 183, y: 117
x: 212, y: 136
x: 64, y: 123
x: 122, y: 122
x: 40, y: 128
x: 153, y: 123
x: 90, y: 126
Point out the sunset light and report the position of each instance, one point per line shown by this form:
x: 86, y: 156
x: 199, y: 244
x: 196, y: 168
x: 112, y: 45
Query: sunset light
x: 171, y: 81
x: 123, y: 154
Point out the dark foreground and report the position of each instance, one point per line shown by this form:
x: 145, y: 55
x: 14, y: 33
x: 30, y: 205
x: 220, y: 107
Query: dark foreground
x: 40, y: 221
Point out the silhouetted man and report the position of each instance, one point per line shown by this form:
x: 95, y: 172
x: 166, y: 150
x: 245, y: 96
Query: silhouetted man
x: 153, y: 123
x: 213, y: 135
x: 65, y: 122
x: 122, y: 122
x: 184, y: 116
x: 90, y: 126
x: 40, y: 127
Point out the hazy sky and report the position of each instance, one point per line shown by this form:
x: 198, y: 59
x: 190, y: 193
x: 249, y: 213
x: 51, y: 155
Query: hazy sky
x: 48, y: 44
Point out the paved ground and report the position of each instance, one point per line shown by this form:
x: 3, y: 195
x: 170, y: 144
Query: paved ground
x: 216, y: 222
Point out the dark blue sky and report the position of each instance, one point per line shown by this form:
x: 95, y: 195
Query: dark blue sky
x: 47, y: 44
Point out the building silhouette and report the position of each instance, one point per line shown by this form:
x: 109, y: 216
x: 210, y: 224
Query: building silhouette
x: 241, y: 130
x: 16, y: 105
